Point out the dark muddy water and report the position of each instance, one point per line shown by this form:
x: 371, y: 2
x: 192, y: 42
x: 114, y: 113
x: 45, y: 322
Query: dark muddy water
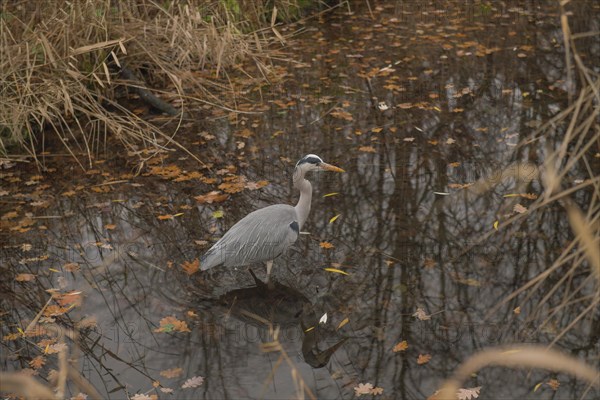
x: 415, y: 101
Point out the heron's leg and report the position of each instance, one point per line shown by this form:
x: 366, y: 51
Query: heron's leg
x: 269, y: 267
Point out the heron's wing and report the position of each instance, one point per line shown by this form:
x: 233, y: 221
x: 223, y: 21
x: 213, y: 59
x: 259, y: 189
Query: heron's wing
x: 260, y: 236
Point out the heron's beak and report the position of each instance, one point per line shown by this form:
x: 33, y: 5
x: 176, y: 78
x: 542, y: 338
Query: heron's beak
x: 329, y: 167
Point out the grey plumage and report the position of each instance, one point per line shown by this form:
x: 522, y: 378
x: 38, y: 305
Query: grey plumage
x: 264, y: 234
x: 260, y: 236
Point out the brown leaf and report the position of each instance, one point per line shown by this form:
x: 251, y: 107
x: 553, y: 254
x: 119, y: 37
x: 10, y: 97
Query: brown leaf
x: 191, y: 267
x: 423, y: 359
x: 213, y: 197
x: 421, y: 314
x: 341, y: 114
x: 519, y: 208
x: 37, y: 362
x: 367, y: 149
x: 171, y: 373
x: 554, y: 384
x: 172, y: 324
x: 326, y: 245
x: 110, y: 227
x: 24, y: 277
x: 193, y: 382
x: 164, y: 217
x: 468, y: 394
x: 400, y: 346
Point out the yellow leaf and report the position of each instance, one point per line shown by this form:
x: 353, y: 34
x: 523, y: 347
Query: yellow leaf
x: 344, y: 322
x: 331, y: 194
x: 496, y: 225
x: 178, y: 215
x: 218, y: 214
x: 537, y: 386
x: 326, y: 245
x: 332, y: 220
x: 337, y: 271
x: 309, y: 329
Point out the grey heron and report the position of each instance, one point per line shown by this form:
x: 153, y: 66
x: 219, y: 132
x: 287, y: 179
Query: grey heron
x: 264, y: 234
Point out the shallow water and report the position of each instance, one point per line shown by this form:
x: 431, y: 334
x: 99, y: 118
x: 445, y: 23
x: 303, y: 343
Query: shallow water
x: 414, y: 101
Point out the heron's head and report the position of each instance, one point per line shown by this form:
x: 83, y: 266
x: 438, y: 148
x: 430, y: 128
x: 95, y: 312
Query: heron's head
x: 312, y: 162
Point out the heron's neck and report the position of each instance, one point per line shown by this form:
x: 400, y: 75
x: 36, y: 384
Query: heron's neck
x: 305, y: 188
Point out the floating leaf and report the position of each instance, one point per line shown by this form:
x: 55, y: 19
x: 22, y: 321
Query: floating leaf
x: 367, y: 149
x: 218, y: 214
x: 376, y: 391
x: 38, y: 362
x: 337, y: 271
x: 212, y: 197
x: 332, y: 220
x: 517, y: 310
x: 421, y: 314
x: 519, y: 208
x: 172, y: 324
x: 554, y: 384
x: 323, y: 319
x: 468, y: 394
x: 171, y: 373
x: 363, y: 388
x: 24, y: 277
x: 344, y: 322
x: 326, y: 245
x: 400, y: 346
x: 191, y: 267
x: 423, y: 359
x: 193, y: 382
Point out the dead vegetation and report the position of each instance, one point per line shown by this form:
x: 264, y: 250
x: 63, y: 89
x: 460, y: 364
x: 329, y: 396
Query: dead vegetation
x: 60, y: 65
x: 570, y: 175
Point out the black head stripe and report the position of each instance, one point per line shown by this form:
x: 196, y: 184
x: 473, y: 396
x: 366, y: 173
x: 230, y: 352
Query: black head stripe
x: 310, y: 159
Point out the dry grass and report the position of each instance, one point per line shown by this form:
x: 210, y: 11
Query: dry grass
x: 576, y: 154
x: 60, y: 63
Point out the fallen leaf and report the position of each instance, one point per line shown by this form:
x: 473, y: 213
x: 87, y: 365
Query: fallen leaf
x: 450, y: 141
x: 409, y: 139
x: 331, y: 194
x: 323, y: 319
x: 213, y: 197
x: 367, y: 149
x: 166, y: 390
x: 344, y: 322
x: 164, y: 217
x: 218, y: 214
x: 140, y: 396
x: 191, y: 267
x: 554, y: 384
x: 193, y: 382
x: 363, y: 388
x: 496, y: 225
x: 517, y: 310
x: 80, y: 396
x: 171, y: 373
x: 519, y: 208
x: 24, y: 277
x: 400, y: 346
x: 421, y: 314
x: 423, y: 359
x: 468, y: 394
x: 38, y: 362
x: 172, y: 324
x: 326, y: 245
x: 110, y: 226
x: 337, y: 271
x: 332, y: 220
x: 376, y: 391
